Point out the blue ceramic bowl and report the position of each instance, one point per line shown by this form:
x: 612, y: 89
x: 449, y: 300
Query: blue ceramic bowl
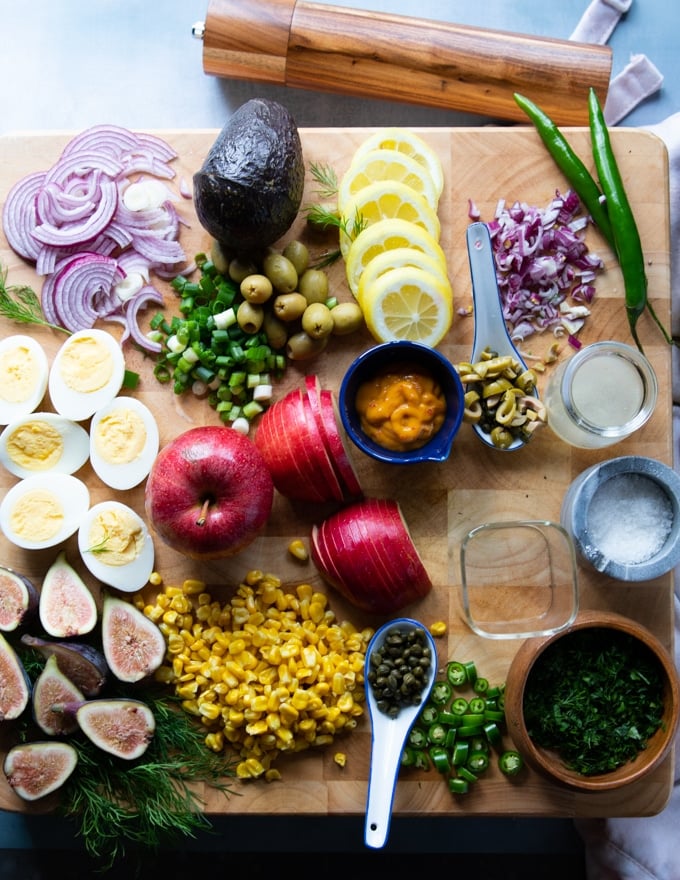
x: 372, y: 361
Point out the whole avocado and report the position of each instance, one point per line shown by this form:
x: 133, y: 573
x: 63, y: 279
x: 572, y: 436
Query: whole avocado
x: 249, y: 188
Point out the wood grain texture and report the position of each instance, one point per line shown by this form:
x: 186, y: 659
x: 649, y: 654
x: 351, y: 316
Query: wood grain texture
x: 440, y: 502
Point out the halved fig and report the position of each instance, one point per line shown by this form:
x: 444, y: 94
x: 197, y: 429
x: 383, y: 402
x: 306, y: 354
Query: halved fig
x: 18, y: 599
x: 36, y: 769
x: 51, y: 688
x: 120, y: 726
x: 15, y: 685
x: 67, y: 607
x: 83, y: 664
x: 133, y: 645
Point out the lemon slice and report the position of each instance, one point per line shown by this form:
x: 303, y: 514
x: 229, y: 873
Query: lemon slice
x: 386, y: 235
x: 408, y: 303
x: 399, y: 258
x: 383, y: 199
x: 408, y: 142
x: 376, y: 165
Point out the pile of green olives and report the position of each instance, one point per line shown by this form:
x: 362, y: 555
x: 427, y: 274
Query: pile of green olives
x: 289, y: 300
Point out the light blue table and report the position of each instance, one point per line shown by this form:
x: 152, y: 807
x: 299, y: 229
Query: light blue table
x: 73, y: 63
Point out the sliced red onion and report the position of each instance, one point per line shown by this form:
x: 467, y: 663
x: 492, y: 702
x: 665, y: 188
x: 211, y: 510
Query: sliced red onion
x: 80, y: 290
x: 19, y: 217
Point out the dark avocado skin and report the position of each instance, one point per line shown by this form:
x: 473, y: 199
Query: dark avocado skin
x: 249, y: 189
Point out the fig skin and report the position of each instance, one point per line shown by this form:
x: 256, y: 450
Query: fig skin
x: 18, y: 600
x: 15, y: 685
x: 133, y: 645
x: 36, y: 769
x: 83, y: 664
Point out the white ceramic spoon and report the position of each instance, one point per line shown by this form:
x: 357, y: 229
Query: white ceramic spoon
x: 490, y: 328
x: 388, y: 738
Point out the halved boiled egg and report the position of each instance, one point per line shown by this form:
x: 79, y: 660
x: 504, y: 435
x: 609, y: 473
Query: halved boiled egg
x: 123, y: 442
x: 43, y: 510
x: 24, y: 370
x: 43, y: 442
x: 86, y: 374
x: 116, y: 546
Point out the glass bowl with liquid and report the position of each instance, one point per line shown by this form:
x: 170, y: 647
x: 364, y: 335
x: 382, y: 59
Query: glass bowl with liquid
x: 601, y: 395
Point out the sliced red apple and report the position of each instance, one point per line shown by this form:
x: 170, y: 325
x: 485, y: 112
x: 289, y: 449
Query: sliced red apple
x: 337, y: 444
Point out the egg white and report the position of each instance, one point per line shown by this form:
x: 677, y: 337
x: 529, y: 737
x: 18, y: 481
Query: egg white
x: 76, y: 405
x: 126, y: 578
x: 126, y: 474
x: 72, y: 493
x: 10, y: 410
x: 75, y: 445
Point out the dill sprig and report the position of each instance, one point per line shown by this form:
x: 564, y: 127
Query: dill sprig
x: 148, y: 802
x: 20, y: 303
x: 325, y: 215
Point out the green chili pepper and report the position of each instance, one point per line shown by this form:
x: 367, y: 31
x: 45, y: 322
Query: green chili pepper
x: 511, y: 762
x: 570, y: 165
x: 624, y: 228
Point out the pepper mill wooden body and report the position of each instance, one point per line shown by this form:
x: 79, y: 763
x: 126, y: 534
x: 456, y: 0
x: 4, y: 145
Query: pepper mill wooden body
x: 401, y: 58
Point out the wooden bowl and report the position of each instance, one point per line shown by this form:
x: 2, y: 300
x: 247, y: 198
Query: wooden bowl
x: 550, y: 763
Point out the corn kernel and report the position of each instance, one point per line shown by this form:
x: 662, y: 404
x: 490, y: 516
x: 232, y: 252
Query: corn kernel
x: 438, y: 628
x: 298, y: 550
x: 340, y: 759
x: 155, y: 579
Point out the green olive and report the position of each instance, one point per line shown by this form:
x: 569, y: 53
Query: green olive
x: 347, y: 318
x: 256, y: 288
x: 219, y: 258
x: 301, y: 346
x: 275, y: 330
x: 250, y: 316
x: 297, y: 253
x: 313, y: 285
x: 240, y: 269
x: 289, y: 306
x: 317, y: 320
x: 281, y: 272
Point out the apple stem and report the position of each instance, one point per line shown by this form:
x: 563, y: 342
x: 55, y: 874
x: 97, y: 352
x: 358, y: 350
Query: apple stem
x: 204, y: 513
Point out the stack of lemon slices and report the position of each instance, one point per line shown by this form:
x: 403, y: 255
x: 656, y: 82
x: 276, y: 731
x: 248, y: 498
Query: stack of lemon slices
x: 395, y: 265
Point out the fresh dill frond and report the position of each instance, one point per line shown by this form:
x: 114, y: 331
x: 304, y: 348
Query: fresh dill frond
x: 326, y: 180
x: 20, y: 303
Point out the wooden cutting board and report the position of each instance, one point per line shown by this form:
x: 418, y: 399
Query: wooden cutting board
x: 440, y: 502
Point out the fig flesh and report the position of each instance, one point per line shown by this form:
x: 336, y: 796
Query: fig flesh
x: 15, y: 685
x: 83, y: 664
x: 51, y: 688
x: 36, y: 769
x: 119, y: 726
x: 67, y: 607
x: 18, y: 600
x: 133, y: 645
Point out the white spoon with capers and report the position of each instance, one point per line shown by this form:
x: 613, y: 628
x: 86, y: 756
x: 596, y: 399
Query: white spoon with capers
x: 392, y: 718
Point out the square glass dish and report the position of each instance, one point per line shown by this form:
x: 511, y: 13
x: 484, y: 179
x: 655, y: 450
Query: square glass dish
x: 519, y: 579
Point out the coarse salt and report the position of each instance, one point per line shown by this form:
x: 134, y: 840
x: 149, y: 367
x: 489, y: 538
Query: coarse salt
x: 629, y: 518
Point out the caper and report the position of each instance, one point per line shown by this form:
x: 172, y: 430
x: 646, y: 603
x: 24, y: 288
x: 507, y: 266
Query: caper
x: 219, y: 258
x: 289, y: 306
x: 347, y: 318
x: 240, y: 269
x: 297, y: 253
x: 256, y: 288
x: 301, y: 346
x: 249, y: 316
x: 313, y: 285
x: 281, y: 272
x: 275, y: 330
x: 317, y: 320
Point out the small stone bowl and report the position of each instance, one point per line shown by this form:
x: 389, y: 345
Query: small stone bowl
x: 624, y: 517
x: 549, y: 763
x: 372, y: 361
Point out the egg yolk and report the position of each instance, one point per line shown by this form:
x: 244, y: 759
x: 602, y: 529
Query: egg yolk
x: 37, y: 516
x: 116, y: 537
x: 35, y: 446
x: 401, y: 408
x: 20, y: 372
x: 120, y: 436
x: 86, y: 365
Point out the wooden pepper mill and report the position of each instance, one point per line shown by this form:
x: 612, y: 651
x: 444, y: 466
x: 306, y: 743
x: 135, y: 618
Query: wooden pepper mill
x: 401, y: 58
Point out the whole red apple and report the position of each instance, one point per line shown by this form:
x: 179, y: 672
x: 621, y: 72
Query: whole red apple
x: 209, y: 492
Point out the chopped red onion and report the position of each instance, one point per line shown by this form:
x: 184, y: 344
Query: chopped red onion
x: 72, y: 223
